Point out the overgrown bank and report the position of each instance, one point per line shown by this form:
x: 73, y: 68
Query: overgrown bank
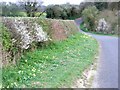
x: 52, y: 63
x: 27, y: 34
x: 57, y: 65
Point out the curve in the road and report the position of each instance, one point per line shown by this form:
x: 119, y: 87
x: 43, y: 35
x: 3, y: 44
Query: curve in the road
x: 107, y: 71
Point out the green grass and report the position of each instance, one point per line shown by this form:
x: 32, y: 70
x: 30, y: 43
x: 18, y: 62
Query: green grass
x: 57, y: 65
x: 99, y: 33
x: 83, y: 28
x: 24, y: 14
x: 0, y: 77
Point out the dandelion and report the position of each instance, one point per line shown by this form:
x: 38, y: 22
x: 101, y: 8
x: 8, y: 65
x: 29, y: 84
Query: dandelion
x: 15, y: 83
x: 34, y: 75
x: 25, y: 60
x: 1, y: 86
x: 46, y: 56
x: 8, y: 86
x: 19, y: 72
x: 33, y: 69
x: 53, y: 57
x: 38, y: 70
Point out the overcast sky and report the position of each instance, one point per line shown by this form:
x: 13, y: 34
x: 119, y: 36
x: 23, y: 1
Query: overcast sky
x: 47, y: 2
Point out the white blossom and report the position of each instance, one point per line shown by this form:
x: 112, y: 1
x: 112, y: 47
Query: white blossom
x: 20, y: 27
x: 26, y: 33
x: 40, y: 35
x: 102, y: 25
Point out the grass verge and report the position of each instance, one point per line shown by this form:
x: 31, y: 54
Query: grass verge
x: 99, y: 33
x: 57, y: 65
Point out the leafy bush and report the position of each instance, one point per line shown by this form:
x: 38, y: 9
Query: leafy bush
x: 89, y: 16
x: 82, y: 27
x: 101, y: 5
x: 21, y: 14
x: 10, y: 51
x: 6, y: 37
x: 65, y: 11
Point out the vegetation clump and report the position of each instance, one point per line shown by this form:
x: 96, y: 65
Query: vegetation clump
x: 54, y: 66
x: 23, y: 34
x: 103, y: 21
x: 90, y: 17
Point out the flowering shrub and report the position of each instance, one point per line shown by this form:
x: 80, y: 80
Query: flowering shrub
x: 39, y: 34
x: 102, y: 25
x: 21, y: 30
x: 25, y: 32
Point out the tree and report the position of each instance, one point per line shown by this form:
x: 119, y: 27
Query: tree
x: 49, y: 11
x: 10, y: 9
x: 5, y: 9
x: 55, y: 11
x: 75, y: 12
x: 31, y: 7
x: 90, y: 16
x: 101, y: 5
x: 113, y: 5
x: 65, y: 11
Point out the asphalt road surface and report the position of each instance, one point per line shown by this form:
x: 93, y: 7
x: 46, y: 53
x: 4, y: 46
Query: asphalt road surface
x: 107, y: 69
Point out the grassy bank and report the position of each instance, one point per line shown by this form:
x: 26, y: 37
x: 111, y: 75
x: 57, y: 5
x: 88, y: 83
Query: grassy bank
x: 57, y: 65
x: 55, y: 29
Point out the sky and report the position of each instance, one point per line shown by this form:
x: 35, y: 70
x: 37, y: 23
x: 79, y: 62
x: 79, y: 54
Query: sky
x: 47, y: 2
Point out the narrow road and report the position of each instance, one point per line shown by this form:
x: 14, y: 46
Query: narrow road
x: 107, y: 70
